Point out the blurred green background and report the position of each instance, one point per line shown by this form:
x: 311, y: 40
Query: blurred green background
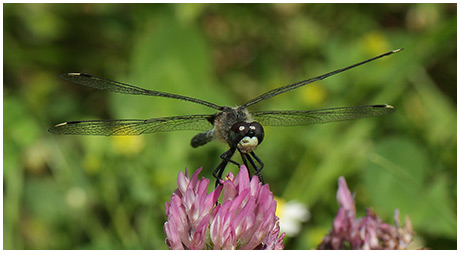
x: 86, y: 192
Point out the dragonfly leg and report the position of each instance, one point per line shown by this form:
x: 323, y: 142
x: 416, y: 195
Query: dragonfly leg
x: 259, y: 170
x: 221, y: 167
x: 246, y: 157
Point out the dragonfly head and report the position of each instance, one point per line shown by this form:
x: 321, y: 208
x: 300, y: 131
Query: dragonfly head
x: 246, y: 136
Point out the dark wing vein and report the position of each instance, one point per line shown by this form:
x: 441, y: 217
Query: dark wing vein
x: 133, y: 126
x: 118, y: 87
x: 295, y: 118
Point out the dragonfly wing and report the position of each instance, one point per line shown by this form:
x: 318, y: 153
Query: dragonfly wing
x: 133, y: 126
x: 289, y: 87
x: 103, y: 84
x: 296, y: 118
x: 124, y: 88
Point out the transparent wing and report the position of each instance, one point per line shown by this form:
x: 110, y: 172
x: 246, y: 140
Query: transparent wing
x: 295, y: 118
x: 289, y: 87
x: 119, y: 87
x: 133, y: 126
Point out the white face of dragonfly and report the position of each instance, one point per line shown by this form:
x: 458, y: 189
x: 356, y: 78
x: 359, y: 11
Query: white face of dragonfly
x: 246, y: 136
x: 248, y: 144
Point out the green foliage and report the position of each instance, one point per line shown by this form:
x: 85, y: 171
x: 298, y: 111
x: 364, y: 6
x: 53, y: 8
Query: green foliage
x: 85, y: 192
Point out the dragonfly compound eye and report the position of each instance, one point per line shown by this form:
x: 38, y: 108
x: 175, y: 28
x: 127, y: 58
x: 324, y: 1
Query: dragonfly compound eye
x: 257, y: 130
x: 237, y: 132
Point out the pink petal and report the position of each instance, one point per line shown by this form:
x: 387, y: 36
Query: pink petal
x: 344, y: 196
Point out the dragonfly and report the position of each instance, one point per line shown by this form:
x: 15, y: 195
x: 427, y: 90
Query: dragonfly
x: 242, y: 130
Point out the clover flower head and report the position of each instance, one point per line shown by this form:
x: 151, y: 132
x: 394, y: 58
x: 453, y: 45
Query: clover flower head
x: 368, y: 232
x: 244, y: 219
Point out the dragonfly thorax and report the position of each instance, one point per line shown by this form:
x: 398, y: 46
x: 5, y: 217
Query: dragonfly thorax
x: 224, y: 120
x: 234, y: 126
